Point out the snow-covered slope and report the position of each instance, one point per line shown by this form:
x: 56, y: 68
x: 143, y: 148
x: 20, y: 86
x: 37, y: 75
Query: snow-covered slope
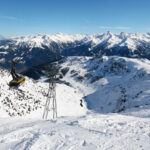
x: 90, y: 132
x: 104, y: 84
x: 108, y: 96
x: 29, y: 99
x: 109, y: 84
x: 39, y: 40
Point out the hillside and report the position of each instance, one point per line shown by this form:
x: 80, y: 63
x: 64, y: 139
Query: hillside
x: 29, y: 99
x: 109, y: 84
x: 104, y: 84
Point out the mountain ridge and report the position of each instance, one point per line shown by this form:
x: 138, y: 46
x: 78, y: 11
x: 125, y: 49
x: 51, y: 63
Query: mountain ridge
x: 38, y: 49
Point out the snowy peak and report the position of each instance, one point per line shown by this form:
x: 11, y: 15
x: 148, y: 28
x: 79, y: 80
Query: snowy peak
x: 38, y: 49
x: 39, y: 39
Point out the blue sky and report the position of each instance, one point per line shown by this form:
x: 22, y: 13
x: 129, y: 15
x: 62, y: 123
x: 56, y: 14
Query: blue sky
x: 24, y: 17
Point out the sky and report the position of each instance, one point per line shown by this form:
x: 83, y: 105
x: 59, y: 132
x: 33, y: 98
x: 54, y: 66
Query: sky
x: 25, y: 17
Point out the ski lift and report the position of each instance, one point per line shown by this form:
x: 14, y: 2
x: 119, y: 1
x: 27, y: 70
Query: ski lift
x: 17, y: 79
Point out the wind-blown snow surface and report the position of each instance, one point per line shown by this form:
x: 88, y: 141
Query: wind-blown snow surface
x: 90, y: 132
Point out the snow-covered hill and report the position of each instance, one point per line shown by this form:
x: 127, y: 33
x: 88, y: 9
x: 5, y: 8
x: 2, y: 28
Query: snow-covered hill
x: 29, y: 99
x: 109, y: 84
x: 34, y: 50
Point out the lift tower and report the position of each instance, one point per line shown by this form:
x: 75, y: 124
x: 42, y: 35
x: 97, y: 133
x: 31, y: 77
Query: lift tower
x: 51, y: 104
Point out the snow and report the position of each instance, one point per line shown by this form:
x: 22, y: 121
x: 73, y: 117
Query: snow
x: 93, y: 131
x: 109, y: 80
x: 104, y: 85
x: 30, y: 98
x: 4, y: 47
x: 38, y: 40
x: 115, y: 113
x: 34, y: 50
x: 131, y: 40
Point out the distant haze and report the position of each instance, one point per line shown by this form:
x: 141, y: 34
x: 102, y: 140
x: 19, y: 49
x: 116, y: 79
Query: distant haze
x: 2, y: 37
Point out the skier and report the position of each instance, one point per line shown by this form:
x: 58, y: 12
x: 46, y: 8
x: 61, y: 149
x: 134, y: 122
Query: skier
x: 81, y: 102
x: 13, y: 72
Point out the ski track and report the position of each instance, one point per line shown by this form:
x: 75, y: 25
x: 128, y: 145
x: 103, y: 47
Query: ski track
x: 93, y: 132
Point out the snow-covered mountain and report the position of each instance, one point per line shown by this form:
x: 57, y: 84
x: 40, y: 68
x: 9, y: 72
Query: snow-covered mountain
x: 109, y: 84
x: 105, y: 99
x: 104, y: 84
x: 34, y: 50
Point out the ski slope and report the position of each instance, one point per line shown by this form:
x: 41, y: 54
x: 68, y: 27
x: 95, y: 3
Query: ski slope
x: 90, y: 132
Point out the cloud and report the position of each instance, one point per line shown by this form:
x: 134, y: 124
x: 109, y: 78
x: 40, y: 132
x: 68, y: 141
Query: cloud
x: 8, y: 17
x: 114, y: 28
x: 122, y: 28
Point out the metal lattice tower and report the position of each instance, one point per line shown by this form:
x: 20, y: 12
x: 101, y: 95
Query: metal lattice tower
x: 51, y: 104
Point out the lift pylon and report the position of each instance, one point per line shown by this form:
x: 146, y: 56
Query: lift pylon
x: 51, y: 104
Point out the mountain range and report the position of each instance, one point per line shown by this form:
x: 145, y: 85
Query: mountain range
x: 34, y: 50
